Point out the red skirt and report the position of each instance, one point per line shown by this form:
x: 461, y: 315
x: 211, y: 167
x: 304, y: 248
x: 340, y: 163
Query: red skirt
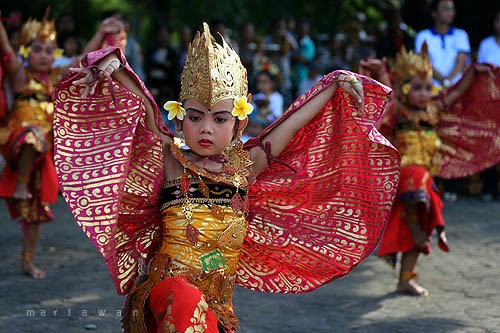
x: 415, y: 187
x: 176, y: 305
x: 43, y: 183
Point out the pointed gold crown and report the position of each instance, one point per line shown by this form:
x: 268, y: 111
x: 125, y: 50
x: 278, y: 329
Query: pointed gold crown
x: 44, y: 31
x: 212, y: 72
x: 410, y: 64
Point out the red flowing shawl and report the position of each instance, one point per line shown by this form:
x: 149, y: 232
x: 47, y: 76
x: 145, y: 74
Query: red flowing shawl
x: 470, y: 128
x: 306, y: 227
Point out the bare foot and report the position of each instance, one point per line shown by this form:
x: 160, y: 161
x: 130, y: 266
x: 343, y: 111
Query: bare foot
x: 412, y: 288
x: 31, y: 270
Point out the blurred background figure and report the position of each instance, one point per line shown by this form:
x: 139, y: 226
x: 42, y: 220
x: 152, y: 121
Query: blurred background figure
x: 303, y: 56
x: 186, y: 35
x: 489, y: 48
x: 395, y: 32
x: 278, y: 47
x: 448, y: 46
x: 359, y: 43
x: 489, y: 52
x: 267, y: 101
x: 162, y: 62
x: 449, y: 51
x: 250, y: 48
x: 313, y: 76
x: 332, y: 56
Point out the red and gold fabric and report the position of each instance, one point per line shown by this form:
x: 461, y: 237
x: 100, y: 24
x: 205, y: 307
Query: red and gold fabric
x: 204, y: 270
x: 30, y: 123
x: 468, y: 131
x: 416, y: 187
x: 3, y: 97
x: 470, y: 128
x: 306, y: 226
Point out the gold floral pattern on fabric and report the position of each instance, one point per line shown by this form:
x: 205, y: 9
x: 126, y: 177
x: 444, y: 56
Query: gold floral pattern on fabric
x: 470, y: 127
x: 419, y: 147
x: 198, y: 319
x: 211, y: 263
x: 32, y: 107
x: 315, y: 224
x: 167, y: 324
x: 111, y: 189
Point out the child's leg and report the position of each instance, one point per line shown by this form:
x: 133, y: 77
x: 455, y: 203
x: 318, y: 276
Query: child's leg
x: 407, y: 274
x: 23, y: 175
x: 30, y: 241
x: 420, y: 237
x: 409, y: 259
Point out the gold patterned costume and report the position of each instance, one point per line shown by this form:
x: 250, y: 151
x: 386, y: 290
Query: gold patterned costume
x: 30, y: 122
x: 178, y: 248
x: 213, y: 207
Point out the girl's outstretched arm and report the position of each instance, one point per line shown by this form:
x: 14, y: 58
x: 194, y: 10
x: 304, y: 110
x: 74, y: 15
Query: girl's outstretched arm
x: 281, y: 135
x: 10, y: 62
x: 111, y: 65
x: 451, y: 95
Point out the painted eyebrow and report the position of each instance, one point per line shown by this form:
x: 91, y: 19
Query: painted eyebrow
x: 202, y: 112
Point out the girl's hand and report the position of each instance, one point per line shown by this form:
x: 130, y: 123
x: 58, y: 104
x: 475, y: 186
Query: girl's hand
x: 94, y: 73
x: 483, y: 68
x: 372, y: 67
x: 351, y: 85
x: 111, y: 25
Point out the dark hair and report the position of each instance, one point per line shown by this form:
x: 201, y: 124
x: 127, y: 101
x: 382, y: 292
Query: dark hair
x: 268, y: 74
x: 434, y: 5
x: 110, y: 13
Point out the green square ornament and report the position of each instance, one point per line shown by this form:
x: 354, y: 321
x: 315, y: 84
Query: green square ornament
x: 212, y: 260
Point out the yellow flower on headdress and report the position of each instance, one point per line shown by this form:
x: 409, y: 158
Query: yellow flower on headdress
x: 436, y: 90
x: 405, y: 89
x: 24, y: 51
x: 241, y: 108
x: 175, y: 110
x: 58, y: 53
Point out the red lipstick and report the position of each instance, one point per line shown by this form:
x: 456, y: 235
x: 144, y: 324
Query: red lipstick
x: 205, y: 142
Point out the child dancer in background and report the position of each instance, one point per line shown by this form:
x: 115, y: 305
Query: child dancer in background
x: 437, y: 133
x: 28, y: 181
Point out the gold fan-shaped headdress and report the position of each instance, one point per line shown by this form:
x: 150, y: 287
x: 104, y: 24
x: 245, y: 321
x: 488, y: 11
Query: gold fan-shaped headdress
x: 44, y: 31
x: 409, y: 64
x: 212, y: 72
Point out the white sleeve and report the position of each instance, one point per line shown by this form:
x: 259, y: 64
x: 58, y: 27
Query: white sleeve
x: 481, y: 52
x: 419, y: 40
x: 462, y: 40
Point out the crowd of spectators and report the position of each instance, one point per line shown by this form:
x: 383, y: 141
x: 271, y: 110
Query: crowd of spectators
x: 282, y: 64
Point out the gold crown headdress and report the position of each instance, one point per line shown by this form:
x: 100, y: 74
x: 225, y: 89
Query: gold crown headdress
x: 410, y: 64
x: 44, y: 31
x: 212, y: 72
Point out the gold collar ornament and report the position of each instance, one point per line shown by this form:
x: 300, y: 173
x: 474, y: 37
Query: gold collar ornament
x: 213, y: 72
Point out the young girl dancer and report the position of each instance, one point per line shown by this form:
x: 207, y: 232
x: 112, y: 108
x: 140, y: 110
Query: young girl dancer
x: 180, y: 221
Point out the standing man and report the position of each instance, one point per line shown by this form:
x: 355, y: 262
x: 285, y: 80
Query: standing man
x: 448, y: 47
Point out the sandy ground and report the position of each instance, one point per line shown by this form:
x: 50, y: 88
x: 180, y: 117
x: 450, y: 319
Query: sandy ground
x: 78, y: 294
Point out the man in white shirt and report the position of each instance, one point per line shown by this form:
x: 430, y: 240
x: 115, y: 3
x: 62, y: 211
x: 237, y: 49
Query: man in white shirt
x: 448, y: 47
x: 489, y: 48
